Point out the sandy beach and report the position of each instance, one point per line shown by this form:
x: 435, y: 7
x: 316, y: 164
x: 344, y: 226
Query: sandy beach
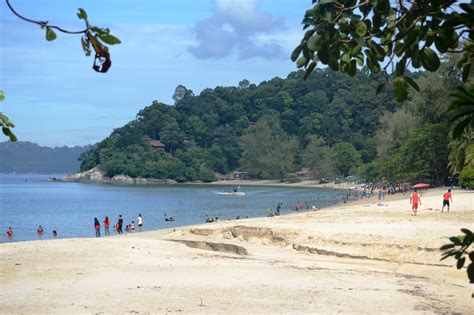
x: 363, y: 257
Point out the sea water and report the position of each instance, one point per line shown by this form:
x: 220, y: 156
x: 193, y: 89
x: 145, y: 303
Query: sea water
x: 27, y: 201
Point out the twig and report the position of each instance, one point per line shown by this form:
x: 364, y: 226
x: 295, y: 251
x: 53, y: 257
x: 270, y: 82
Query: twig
x: 43, y: 23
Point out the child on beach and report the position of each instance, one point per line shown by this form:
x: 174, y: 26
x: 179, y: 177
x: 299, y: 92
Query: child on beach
x: 10, y: 232
x: 132, y: 226
x: 55, y: 233
x: 414, y: 200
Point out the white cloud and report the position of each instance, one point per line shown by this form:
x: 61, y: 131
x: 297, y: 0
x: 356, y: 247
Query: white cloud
x: 233, y: 28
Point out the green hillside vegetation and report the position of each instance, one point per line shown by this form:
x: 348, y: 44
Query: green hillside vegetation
x: 27, y: 157
x: 332, y: 124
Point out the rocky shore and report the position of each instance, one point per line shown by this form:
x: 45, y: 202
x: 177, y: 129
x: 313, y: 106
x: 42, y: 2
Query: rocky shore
x: 97, y: 176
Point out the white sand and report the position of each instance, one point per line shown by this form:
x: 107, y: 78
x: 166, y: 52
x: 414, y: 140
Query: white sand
x: 359, y: 258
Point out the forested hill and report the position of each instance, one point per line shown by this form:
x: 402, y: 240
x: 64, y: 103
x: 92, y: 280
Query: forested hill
x: 327, y: 124
x: 27, y: 157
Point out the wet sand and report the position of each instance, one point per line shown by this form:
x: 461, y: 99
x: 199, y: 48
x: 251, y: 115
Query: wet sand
x: 356, y: 258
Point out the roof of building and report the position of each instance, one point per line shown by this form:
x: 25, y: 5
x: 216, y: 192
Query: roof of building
x: 156, y: 143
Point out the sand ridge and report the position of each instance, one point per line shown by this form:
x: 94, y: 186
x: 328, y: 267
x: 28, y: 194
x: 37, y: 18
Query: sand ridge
x: 367, y: 257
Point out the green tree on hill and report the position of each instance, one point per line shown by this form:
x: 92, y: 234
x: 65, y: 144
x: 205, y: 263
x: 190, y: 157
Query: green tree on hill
x: 345, y: 158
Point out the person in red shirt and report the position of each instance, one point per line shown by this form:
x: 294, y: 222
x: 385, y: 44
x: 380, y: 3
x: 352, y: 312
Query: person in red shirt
x: 10, y: 232
x: 97, y: 227
x: 415, y: 200
x: 446, y: 198
x: 106, y: 226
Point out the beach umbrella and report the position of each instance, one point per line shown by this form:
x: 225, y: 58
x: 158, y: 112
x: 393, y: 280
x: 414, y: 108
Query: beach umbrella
x: 421, y: 185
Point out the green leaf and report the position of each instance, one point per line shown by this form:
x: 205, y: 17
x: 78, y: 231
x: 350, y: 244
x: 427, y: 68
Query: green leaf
x: 313, y: 42
x: 447, y: 246
x: 400, y: 90
x: 50, y: 34
x: 7, y: 132
x: 301, y: 62
x: 2, y: 96
x: 327, y: 1
x: 346, y: 58
x: 361, y: 29
x: 297, y: 52
x: 415, y: 60
x: 82, y: 15
x: 441, y: 44
x: 380, y: 87
x: 465, y: 231
x: 455, y: 240
x: 430, y: 60
x: 374, y: 67
x: 323, y: 54
x: 309, y: 70
x: 333, y: 63
x: 109, y: 39
x: 400, y: 67
x: 356, y: 50
x: 460, y: 262
x: 448, y: 254
x: 466, y: 70
x: 412, y: 83
x: 352, y: 68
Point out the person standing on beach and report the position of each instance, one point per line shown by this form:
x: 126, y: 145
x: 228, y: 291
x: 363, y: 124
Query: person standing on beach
x: 119, y: 224
x: 447, y: 196
x: 97, y: 227
x: 414, y: 200
x: 140, y: 222
x: 106, y: 226
x: 299, y: 206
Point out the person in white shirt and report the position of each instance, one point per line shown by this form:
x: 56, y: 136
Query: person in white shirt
x: 140, y: 222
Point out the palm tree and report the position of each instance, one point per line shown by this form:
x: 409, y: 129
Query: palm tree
x: 462, y: 110
x: 461, y: 152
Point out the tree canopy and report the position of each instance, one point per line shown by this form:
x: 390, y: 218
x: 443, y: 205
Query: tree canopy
x: 330, y: 124
x: 386, y: 37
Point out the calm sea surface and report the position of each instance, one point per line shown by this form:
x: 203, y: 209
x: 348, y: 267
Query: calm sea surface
x: 27, y: 201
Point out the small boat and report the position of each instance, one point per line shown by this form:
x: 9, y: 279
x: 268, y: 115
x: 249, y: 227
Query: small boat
x: 230, y: 193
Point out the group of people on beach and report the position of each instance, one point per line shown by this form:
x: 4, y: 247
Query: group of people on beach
x: 415, y: 201
x: 118, y: 227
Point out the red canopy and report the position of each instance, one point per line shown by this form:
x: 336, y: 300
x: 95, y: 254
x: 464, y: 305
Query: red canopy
x: 421, y: 185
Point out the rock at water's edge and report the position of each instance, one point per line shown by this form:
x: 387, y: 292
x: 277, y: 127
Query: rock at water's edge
x: 96, y: 175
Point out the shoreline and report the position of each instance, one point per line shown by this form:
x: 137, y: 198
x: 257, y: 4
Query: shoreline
x: 362, y: 257
x: 113, y: 233
x: 97, y: 176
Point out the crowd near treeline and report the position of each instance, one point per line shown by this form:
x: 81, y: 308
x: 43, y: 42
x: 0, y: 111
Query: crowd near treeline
x: 331, y: 124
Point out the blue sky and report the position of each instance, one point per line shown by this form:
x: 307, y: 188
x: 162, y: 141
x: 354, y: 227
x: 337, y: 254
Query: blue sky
x: 55, y: 98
